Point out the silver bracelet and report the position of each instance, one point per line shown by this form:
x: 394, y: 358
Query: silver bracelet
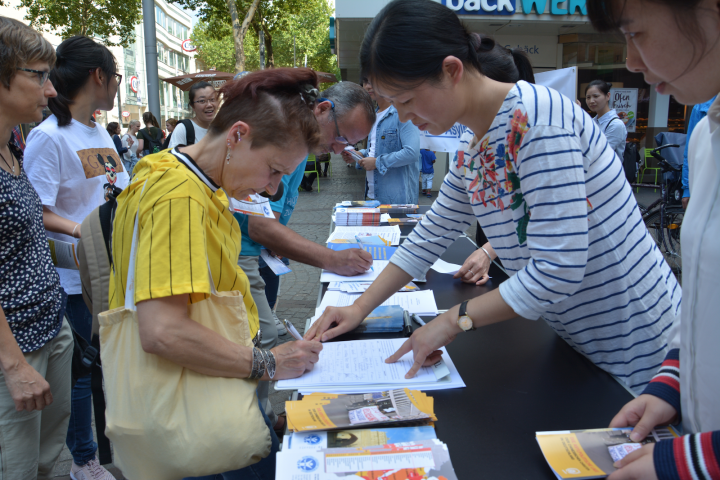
x: 258, y: 368
x: 271, y: 364
x: 73, y: 232
x: 486, y: 253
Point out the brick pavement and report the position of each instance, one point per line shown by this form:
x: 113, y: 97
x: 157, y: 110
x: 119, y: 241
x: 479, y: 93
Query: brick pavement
x: 298, y: 289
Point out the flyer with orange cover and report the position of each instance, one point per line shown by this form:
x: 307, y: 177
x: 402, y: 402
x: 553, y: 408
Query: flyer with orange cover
x: 586, y: 454
x: 322, y: 411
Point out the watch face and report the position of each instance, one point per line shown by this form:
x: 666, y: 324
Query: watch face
x: 465, y: 323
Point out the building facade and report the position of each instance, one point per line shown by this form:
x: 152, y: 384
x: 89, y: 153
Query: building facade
x: 173, y: 27
x: 554, y: 33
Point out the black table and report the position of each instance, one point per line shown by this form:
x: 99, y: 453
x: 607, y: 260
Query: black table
x: 521, y: 378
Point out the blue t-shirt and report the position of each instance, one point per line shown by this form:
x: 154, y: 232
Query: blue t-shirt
x: 284, y: 207
x: 428, y: 157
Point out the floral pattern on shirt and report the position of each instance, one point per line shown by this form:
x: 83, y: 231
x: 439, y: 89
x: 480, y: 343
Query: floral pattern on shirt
x: 496, y: 175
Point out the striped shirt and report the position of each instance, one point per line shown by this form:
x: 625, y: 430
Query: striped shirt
x: 551, y: 196
x: 184, y: 224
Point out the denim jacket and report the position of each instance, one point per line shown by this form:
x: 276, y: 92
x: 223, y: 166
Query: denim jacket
x: 397, y: 169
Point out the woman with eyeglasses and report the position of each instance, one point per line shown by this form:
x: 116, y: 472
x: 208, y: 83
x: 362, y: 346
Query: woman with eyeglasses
x: 71, y: 161
x: 35, y: 342
x: 204, y: 102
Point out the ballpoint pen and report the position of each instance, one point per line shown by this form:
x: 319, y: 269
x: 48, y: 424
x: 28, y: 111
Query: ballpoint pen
x: 418, y: 319
x: 291, y: 328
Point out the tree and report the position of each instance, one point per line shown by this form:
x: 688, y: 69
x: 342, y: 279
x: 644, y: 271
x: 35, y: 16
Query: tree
x: 281, y: 21
x: 113, y: 22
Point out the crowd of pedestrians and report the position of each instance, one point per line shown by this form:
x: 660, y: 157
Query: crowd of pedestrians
x: 189, y: 343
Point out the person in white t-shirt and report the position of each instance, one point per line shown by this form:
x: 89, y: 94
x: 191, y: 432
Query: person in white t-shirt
x: 72, y: 163
x: 204, y: 102
x: 130, y: 141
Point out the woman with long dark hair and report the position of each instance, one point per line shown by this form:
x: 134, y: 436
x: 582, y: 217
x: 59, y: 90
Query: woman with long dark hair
x: 548, y: 191
x: 72, y: 163
x: 675, y: 44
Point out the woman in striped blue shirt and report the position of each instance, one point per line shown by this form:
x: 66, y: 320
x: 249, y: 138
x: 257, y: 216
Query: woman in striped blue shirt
x: 547, y: 189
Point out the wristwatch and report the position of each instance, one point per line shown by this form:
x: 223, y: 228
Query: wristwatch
x: 463, y: 320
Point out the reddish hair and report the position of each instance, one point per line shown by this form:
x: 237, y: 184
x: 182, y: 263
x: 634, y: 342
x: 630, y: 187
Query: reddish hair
x: 276, y: 103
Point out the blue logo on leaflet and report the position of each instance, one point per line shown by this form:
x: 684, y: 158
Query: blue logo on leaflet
x: 307, y: 464
x: 312, y: 439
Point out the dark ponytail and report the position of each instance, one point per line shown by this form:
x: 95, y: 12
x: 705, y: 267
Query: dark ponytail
x: 76, y: 58
x: 395, y: 53
x: 601, y: 85
x: 149, y: 120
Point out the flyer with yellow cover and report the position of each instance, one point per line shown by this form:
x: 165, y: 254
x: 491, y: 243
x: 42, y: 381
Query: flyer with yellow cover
x: 586, y: 454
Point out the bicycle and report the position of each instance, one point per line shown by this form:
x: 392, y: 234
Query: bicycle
x: 663, y: 218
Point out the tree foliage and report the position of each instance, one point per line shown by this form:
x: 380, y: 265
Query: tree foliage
x: 111, y: 21
x: 280, y: 20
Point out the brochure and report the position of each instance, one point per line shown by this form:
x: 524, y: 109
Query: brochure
x: 585, y: 454
x: 252, y: 205
x: 423, y: 460
x: 323, y: 411
x: 357, y: 438
x: 63, y: 254
x: 399, y: 208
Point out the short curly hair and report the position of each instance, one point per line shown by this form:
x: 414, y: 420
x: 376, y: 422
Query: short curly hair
x: 20, y: 45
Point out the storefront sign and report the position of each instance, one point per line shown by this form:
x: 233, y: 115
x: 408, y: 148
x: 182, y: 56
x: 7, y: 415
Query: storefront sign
x: 187, y: 46
x: 134, y: 83
x: 542, y: 50
x: 557, y: 7
x: 125, y: 114
x: 481, y: 7
x: 445, y: 142
x: 624, y: 101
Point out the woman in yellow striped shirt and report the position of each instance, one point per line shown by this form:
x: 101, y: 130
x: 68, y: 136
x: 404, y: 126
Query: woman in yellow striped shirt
x: 263, y: 130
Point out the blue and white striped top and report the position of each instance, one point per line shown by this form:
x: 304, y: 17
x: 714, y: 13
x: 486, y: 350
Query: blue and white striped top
x: 552, y: 198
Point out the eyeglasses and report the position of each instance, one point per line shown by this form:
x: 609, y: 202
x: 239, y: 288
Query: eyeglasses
x: 203, y: 101
x: 339, y: 138
x: 41, y: 75
x: 118, y: 77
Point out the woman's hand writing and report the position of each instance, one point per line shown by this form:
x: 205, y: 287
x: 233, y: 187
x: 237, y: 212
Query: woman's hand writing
x: 292, y: 359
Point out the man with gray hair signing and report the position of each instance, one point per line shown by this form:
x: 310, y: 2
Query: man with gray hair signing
x: 345, y: 114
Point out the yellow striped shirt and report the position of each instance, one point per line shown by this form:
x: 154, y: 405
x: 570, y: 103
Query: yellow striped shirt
x: 184, y: 223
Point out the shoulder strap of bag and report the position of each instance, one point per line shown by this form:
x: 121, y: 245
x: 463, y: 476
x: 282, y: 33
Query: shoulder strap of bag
x: 614, y: 118
x: 189, y: 131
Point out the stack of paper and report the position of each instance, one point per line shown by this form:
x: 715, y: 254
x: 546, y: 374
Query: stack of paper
x: 360, y: 287
x: 427, y: 459
x: 378, y: 252
x: 321, y: 411
x: 359, y: 366
x: 351, y: 234
x: 377, y: 267
x: 421, y: 302
x: 399, y: 208
x: 357, y: 216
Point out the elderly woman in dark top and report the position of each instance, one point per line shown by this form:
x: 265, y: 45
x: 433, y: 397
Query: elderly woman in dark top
x: 35, y: 342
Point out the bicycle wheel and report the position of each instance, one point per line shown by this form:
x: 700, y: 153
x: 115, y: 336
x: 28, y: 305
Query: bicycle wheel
x: 666, y: 234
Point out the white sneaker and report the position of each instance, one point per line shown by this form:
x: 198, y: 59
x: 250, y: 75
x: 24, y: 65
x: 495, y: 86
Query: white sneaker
x: 280, y: 326
x: 90, y: 471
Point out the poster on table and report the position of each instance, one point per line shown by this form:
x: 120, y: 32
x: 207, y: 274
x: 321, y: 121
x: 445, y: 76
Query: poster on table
x: 624, y: 101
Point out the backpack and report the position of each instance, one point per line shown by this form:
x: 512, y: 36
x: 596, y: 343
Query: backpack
x: 154, y: 145
x: 189, y: 131
x: 95, y: 261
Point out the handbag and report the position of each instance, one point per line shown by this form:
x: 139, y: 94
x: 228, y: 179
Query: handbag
x: 166, y: 421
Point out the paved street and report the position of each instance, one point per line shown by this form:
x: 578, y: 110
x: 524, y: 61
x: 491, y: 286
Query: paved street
x: 299, y: 289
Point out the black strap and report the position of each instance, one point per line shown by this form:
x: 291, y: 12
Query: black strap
x: 98, y: 398
x: 189, y: 131
x: 614, y: 118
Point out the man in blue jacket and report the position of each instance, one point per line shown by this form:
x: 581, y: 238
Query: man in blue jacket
x: 392, y: 159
